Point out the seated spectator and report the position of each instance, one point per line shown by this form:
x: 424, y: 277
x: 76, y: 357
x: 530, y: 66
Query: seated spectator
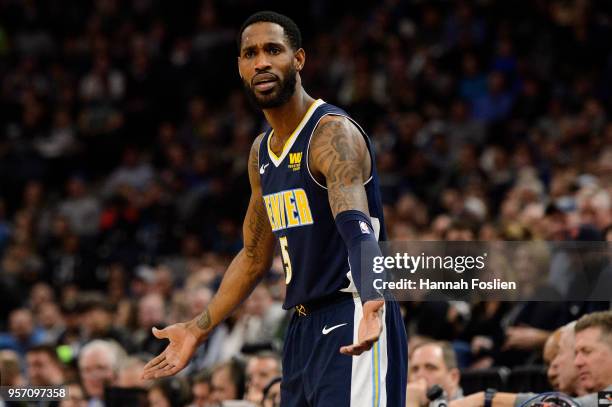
x: 43, y: 366
x: 81, y: 209
x: 593, y: 362
x: 260, y: 370
x: 98, y: 322
x: 433, y: 363
x: 256, y: 325
x: 551, y: 350
x: 209, y: 353
x: 201, y: 390
x: 168, y: 392
x: 228, y: 382
x: 151, y: 313
x: 22, y: 334
x: 99, y: 363
x: 562, y: 372
x: 76, y: 396
x: 594, y: 351
x: 10, y: 366
x: 130, y: 373
x: 272, y: 393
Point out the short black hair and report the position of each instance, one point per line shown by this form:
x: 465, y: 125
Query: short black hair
x: 292, y: 32
x: 48, y: 349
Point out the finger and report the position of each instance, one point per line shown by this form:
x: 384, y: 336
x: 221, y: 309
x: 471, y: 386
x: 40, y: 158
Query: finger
x: 354, y: 350
x: 160, y: 333
x: 166, y: 371
x: 162, y: 365
x: 359, y: 348
x: 156, y: 360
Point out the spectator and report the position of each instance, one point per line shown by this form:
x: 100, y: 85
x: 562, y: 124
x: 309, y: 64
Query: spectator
x: 97, y: 322
x: 432, y: 363
x: 209, y: 353
x: 551, y: 351
x: 562, y: 372
x: 594, y: 351
x: 76, y: 396
x: 272, y: 393
x: 130, y: 373
x: 256, y: 325
x: 151, y: 313
x: 10, y: 366
x: 261, y: 368
x: 99, y: 363
x: 43, y: 366
x: 201, y: 390
x: 80, y: 208
x: 228, y: 382
x: 50, y: 320
x: 592, y: 363
x: 22, y: 333
x: 170, y: 392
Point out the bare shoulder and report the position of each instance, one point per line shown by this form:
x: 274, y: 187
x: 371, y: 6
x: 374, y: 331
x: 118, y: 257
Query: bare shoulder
x: 254, y: 160
x: 337, y: 140
x: 335, y: 129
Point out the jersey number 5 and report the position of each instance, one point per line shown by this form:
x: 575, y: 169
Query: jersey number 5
x: 286, y: 259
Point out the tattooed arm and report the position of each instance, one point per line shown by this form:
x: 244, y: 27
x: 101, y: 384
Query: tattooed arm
x: 252, y: 261
x: 241, y: 277
x: 339, y: 157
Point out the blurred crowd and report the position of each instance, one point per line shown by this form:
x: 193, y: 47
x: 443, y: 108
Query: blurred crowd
x: 124, y: 136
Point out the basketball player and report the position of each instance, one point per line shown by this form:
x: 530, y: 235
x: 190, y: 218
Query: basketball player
x: 315, y: 191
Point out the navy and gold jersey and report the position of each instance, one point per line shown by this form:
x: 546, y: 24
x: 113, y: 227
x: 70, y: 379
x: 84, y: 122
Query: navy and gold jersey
x: 314, y: 255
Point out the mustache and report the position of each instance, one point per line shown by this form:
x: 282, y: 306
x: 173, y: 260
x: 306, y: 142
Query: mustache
x: 268, y: 76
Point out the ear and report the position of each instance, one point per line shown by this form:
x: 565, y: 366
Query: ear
x: 455, y: 375
x: 299, y: 59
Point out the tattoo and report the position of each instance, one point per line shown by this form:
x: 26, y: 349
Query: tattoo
x: 257, y: 223
x: 257, y: 231
x: 204, y: 320
x: 339, y: 153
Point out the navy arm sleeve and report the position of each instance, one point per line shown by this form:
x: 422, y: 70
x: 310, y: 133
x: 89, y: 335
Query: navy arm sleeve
x: 355, y: 227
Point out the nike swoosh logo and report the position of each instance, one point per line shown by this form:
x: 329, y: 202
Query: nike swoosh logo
x: 327, y: 330
x: 263, y: 168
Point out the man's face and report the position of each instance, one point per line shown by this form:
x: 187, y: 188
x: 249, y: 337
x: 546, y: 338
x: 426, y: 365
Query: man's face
x: 268, y: 65
x: 260, y: 371
x: 96, y: 371
x: 41, y: 369
x: 551, y: 350
x: 593, y: 359
x: 201, y: 394
x: 76, y: 398
x: 562, y: 372
x: 21, y: 324
x: 222, y: 386
x: 427, y: 363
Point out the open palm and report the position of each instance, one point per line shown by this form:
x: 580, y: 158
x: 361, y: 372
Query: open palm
x: 182, y: 346
x: 370, y: 328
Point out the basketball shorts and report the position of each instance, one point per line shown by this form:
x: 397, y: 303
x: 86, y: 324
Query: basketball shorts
x: 316, y: 374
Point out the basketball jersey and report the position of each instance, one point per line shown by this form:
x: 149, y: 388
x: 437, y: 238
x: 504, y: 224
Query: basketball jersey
x: 315, y: 258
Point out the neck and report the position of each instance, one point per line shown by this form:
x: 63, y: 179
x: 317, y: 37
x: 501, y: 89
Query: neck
x: 284, y: 119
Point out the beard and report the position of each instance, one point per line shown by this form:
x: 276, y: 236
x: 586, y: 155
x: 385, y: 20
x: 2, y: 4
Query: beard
x: 277, y: 96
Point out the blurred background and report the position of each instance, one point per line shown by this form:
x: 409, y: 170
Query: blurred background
x: 124, y: 137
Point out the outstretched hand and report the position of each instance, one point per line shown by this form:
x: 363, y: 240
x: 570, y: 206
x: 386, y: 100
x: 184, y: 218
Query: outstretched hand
x: 184, y: 341
x: 370, y: 328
